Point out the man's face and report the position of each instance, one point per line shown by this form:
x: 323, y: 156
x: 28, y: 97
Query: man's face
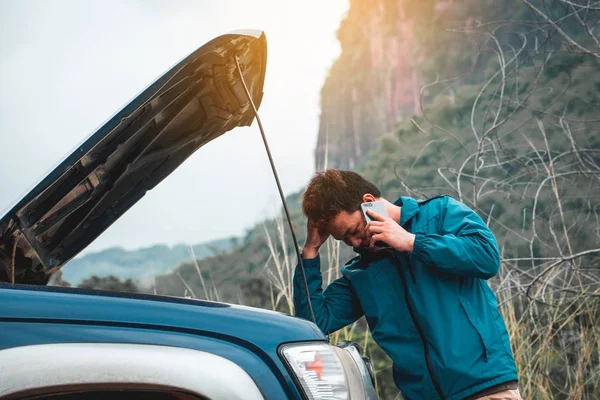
x: 351, y: 228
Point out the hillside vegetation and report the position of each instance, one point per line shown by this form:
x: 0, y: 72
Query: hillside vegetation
x: 141, y: 265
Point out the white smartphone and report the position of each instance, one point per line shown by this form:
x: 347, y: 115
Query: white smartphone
x: 379, y: 208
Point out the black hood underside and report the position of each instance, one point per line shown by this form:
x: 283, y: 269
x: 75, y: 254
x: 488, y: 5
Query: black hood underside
x: 198, y: 100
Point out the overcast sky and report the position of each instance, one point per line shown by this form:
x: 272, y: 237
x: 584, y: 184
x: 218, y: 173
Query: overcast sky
x: 67, y: 66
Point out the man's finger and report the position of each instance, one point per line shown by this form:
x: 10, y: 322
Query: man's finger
x: 375, y: 223
x: 375, y: 228
x: 375, y: 216
x: 376, y: 237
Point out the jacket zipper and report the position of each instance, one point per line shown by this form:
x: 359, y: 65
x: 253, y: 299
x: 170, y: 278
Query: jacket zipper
x: 407, y: 226
x: 434, y: 380
x: 410, y: 268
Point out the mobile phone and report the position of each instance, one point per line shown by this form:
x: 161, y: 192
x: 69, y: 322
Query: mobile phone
x: 379, y: 208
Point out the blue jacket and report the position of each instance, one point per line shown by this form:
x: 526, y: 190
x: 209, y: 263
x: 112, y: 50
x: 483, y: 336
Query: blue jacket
x: 431, y: 310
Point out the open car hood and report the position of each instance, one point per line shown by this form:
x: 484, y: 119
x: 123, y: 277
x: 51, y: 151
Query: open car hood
x: 196, y: 101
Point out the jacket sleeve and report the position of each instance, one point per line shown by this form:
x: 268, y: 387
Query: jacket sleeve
x: 334, y: 308
x: 466, y: 246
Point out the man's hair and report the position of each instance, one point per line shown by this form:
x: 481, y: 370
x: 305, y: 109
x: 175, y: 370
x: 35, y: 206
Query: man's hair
x: 333, y: 191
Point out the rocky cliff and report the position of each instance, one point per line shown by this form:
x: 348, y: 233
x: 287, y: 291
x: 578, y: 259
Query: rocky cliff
x: 389, y: 49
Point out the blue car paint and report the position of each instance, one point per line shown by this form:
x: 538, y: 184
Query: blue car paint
x: 249, y: 337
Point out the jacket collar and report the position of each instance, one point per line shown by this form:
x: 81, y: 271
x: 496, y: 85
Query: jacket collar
x: 410, y: 208
x: 370, y: 256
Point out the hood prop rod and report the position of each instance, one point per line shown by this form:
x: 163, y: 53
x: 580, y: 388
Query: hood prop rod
x: 285, y: 207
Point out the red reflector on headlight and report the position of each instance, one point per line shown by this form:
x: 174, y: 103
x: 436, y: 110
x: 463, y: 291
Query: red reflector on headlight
x: 316, y: 366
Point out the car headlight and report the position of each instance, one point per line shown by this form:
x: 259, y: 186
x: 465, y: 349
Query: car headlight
x: 319, y: 370
x: 364, y: 366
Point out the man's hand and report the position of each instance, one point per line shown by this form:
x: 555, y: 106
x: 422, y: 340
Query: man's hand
x: 390, y: 232
x: 314, y: 240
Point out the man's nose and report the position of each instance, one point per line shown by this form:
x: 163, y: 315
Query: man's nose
x: 356, y: 242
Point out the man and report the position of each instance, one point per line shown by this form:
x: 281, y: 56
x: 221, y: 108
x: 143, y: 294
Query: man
x: 425, y: 298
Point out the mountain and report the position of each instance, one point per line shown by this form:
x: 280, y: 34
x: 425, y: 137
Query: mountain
x: 140, y: 265
x: 391, y: 49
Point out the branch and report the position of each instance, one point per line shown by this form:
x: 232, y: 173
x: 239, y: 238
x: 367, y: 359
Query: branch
x: 560, y: 261
x: 560, y: 31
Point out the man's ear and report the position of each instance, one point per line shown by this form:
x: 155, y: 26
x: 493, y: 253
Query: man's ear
x: 368, y: 197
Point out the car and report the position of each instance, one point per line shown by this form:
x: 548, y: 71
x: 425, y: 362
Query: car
x: 69, y: 343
